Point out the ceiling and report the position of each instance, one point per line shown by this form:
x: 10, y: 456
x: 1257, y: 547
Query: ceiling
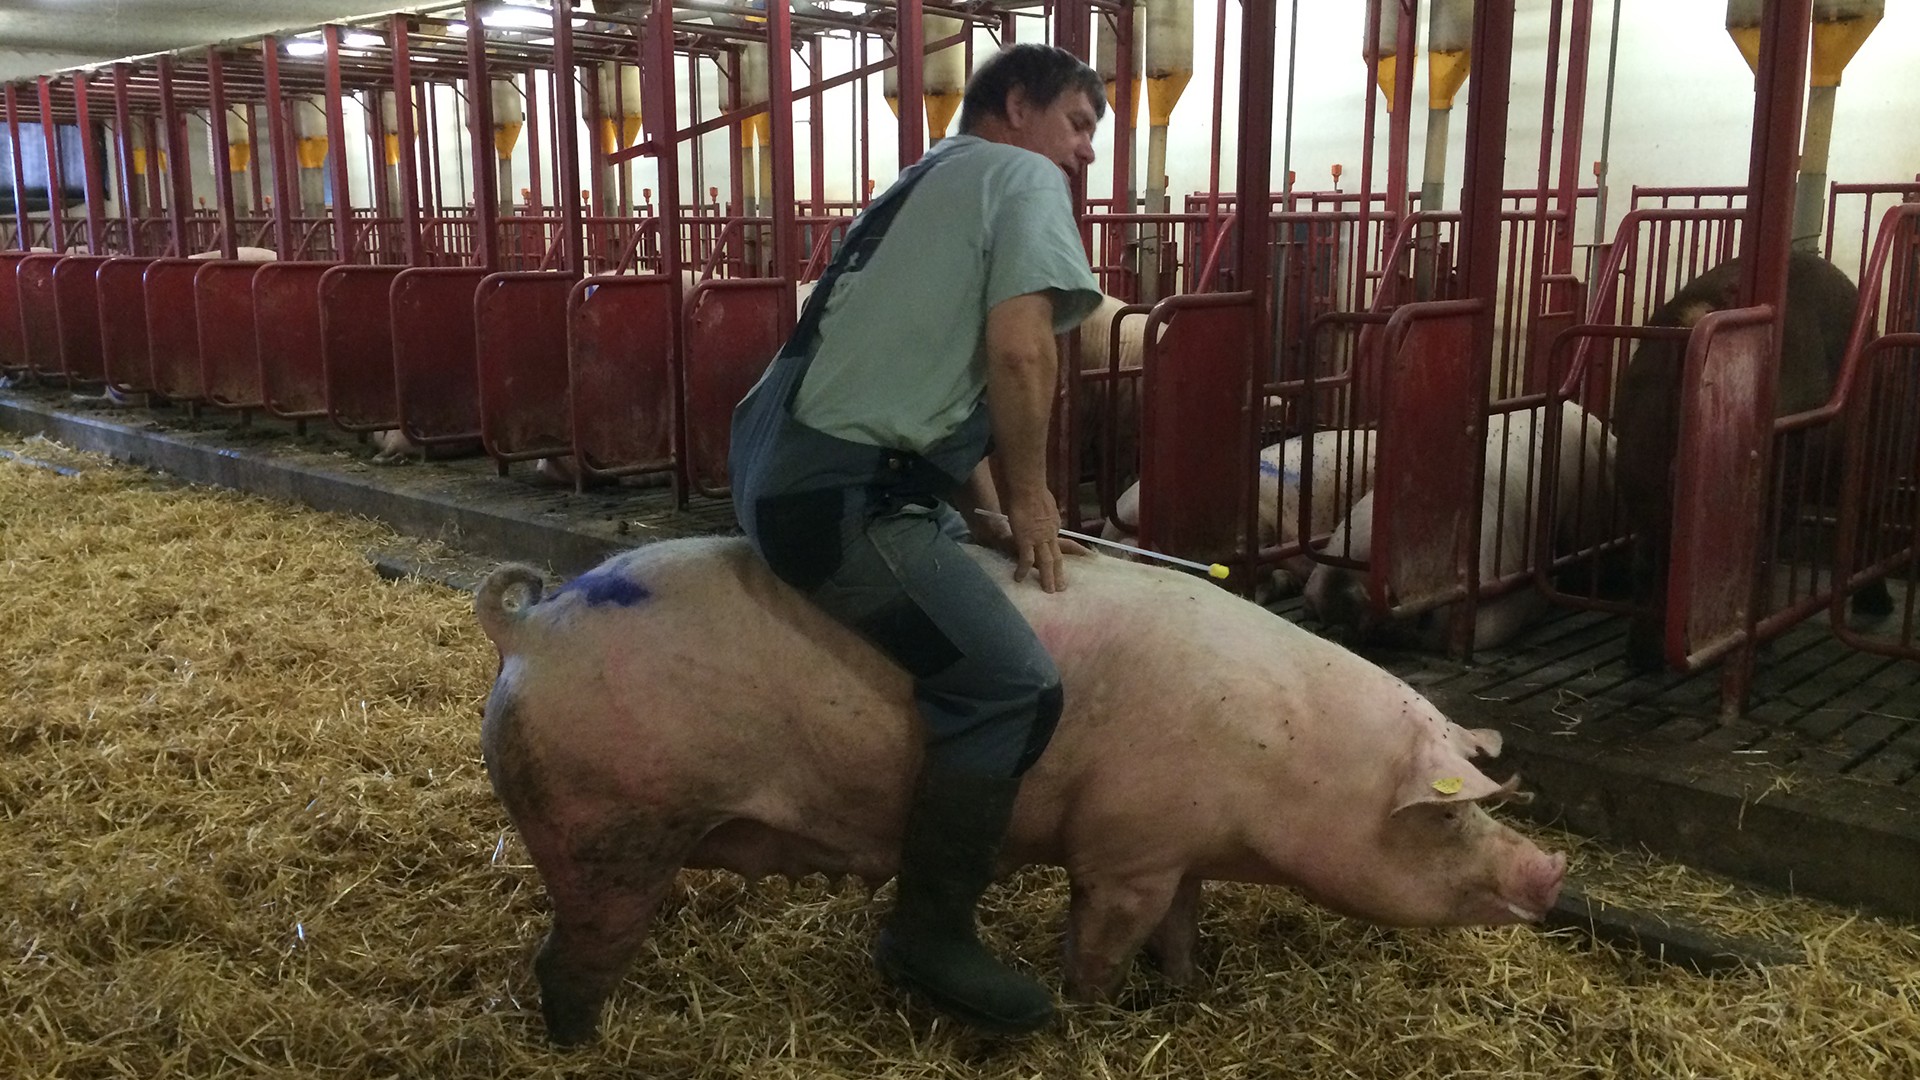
x: 42, y: 36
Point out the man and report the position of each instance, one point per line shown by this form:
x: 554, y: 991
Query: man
x: 863, y: 450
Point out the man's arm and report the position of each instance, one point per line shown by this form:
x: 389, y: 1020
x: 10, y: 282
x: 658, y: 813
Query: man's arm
x: 1022, y: 368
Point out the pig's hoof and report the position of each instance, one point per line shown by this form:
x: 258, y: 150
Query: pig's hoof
x: 1873, y: 601
x: 570, y: 1023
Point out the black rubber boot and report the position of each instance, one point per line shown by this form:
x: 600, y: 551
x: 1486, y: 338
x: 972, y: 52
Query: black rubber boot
x: 954, y: 829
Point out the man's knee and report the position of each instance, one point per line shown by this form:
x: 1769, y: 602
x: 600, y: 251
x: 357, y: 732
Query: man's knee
x: 1046, y: 717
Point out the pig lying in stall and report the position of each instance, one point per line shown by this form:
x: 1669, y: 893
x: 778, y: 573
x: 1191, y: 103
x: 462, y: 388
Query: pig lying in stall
x: 679, y: 706
x: 1336, y: 454
x: 1509, y: 500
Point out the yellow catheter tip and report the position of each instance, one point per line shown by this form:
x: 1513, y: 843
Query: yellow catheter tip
x: 1217, y: 572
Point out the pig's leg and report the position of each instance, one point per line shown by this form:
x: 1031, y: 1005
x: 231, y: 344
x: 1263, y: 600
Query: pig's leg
x: 604, y: 897
x: 1171, y: 945
x: 1108, y: 919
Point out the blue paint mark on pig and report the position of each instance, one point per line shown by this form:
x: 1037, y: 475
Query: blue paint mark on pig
x: 606, y: 587
x: 1272, y: 468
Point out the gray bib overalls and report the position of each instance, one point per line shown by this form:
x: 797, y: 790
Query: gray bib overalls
x: 867, y: 533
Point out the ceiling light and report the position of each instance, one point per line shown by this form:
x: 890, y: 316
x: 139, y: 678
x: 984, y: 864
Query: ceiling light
x: 360, y: 39
x: 306, y: 48
x: 517, y: 18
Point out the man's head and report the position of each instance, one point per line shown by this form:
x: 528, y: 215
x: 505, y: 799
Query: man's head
x: 1036, y: 97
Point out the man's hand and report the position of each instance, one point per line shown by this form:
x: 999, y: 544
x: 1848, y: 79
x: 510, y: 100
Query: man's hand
x: 1035, y: 523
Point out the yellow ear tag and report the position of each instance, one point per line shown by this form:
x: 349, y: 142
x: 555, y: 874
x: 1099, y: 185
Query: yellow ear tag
x: 1449, y: 786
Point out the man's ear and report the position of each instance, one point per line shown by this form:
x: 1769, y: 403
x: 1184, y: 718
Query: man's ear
x: 1019, y: 108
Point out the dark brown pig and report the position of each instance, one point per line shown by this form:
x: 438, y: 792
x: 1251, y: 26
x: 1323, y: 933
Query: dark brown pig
x: 1820, y: 309
x: 680, y: 707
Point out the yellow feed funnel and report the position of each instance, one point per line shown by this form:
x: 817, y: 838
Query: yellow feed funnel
x: 508, y: 115
x: 310, y: 124
x: 239, y: 140
x: 619, y: 106
x: 1385, y: 45
x: 944, y: 78
x: 1107, y: 45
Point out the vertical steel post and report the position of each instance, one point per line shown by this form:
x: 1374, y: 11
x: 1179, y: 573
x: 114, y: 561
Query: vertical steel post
x: 180, y: 192
x: 1487, y: 103
x: 780, y: 101
x: 56, y: 203
x: 1124, y: 120
x: 1400, y: 118
x: 403, y: 123
x: 22, y: 222
x: 337, y: 140
x: 486, y: 173
x: 90, y: 170
x: 566, y: 135
x: 658, y: 118
x: 910, y: 53
x: 254, y: 180
x: 536, y: 195
x: 129, y: 191
x: 816, y: 130
x: 1573, y: 127
x: 1363, y: 247
x: 286, y: 198
x: 1765, y: 239
x: 222, y: 166
x: 1254, y: 171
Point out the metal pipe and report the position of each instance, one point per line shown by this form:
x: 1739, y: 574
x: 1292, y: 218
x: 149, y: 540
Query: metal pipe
x: 222, y: 164
x: 779, y: 149
x: 181, y: 190
x: 280, y: 143
x: 566, y: 131
x: 22, y: 221
x: 1492, y: 50
x: 486, y: 191
x: 406, y: 162
x: 1573, y: 129
x: 90, y: 169
x: 337, y: 138
x: 910, y: 41
x: 1606, y: 132
x: 123, y: 126
x: 56, y: 200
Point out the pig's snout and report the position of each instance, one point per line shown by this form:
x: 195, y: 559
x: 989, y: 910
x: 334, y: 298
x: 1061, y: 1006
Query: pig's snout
x: 1338, y: 598
x: 1533, y: 887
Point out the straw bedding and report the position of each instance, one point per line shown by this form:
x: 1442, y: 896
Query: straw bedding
x: 246, y: 832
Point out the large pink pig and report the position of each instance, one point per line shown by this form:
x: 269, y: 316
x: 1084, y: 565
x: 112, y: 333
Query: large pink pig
x: 681, y: 707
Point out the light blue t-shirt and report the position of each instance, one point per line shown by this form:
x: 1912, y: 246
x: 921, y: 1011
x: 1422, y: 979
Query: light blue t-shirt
x: 902, y: 359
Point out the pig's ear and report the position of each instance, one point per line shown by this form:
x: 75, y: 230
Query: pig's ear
x: 1439, y: 773
x: 1474, y: 742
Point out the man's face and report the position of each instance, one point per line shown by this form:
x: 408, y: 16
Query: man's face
x: 1061, y: 132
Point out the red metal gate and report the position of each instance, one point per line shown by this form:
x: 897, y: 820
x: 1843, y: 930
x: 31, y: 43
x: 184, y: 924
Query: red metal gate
x: 77, y: 311
x: 229, y: 355
x: 520, y: 335
x: 173, y: 332
x: 356, y: 347
x: 120, y: 290
x: 39, y: 318
x: 621, y: 338
x: 289, y: 340
x: 435, y: 358
x: 734, y: 328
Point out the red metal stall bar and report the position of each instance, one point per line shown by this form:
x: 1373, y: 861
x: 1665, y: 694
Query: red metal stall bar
x: 1183, y: 459
x: 223, y: 288
x: 436, y: 381
x: 357, y: 345
x: 1728, y: 400
x: 1877, y: 519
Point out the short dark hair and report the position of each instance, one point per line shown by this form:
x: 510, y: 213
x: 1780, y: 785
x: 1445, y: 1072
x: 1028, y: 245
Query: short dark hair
x: 1042, y: 71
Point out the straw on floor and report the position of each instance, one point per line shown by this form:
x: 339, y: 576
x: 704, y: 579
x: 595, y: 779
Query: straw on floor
x: 245, y: 832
